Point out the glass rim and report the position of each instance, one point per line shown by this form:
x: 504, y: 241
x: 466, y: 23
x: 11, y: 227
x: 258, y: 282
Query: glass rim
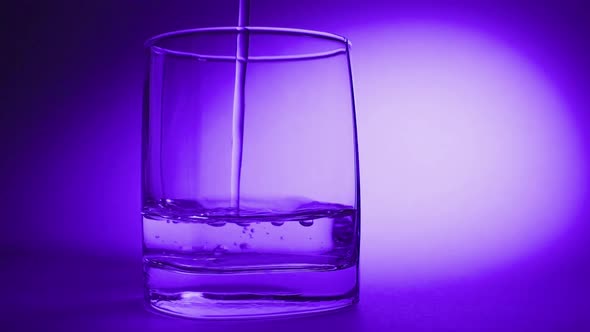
x: 151, y: 43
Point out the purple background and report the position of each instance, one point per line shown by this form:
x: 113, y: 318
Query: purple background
x: 473, y: 125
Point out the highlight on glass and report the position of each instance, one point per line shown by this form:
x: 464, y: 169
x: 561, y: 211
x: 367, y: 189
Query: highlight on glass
x: 250, y: 175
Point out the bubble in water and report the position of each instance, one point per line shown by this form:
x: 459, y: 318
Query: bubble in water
x: 282, y: 238
x: 175, y: 221
x: 244, y: 246
x: 243, y: 223
x: 252, y: 230
x: 217, y: 223
x: 220, y: 250
x: 277, y: 223
x: 306, y: 223
x: 157, y: 236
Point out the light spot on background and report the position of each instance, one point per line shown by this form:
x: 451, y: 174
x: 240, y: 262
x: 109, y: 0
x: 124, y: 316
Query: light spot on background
x: 469, y: 159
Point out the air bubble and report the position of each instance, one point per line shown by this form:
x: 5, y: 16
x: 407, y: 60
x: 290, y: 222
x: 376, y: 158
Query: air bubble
x: 277, y: 223
x: 217, y: 223
x: 244, y: 246
x: 219, y: 250
x: 306, y: 223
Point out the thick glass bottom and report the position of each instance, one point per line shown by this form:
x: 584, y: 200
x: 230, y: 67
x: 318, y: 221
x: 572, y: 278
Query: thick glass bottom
x: 266, y: 291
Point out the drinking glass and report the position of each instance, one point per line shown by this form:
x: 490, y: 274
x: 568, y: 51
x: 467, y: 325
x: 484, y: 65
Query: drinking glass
x: 254, y: 210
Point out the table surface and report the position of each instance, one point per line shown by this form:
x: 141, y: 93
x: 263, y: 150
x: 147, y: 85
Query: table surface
x: 57, y: 293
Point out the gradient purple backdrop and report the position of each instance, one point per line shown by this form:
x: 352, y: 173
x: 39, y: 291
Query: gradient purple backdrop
x: 474, y: 140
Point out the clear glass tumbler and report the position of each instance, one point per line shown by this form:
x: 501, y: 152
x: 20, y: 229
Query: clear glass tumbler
x: 256, y: 213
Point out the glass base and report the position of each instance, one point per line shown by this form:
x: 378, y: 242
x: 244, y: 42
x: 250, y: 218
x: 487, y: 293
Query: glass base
x: 210, y: 306
x: 286, y: 291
